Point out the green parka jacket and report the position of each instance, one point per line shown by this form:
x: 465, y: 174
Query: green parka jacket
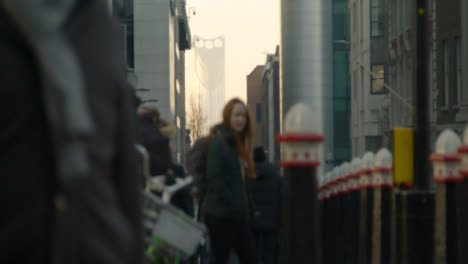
x: 227, y: 194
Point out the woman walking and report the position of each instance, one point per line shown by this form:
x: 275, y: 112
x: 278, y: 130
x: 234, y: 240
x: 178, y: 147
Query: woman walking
x: 228, y: 206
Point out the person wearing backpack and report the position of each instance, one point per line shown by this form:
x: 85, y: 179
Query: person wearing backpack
x: 69, y: 193
x: 228, y: 206
x: 266, y: 194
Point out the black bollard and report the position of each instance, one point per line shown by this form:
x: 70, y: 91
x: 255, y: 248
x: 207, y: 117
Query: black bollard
x: 413, y: 230
x: 462, y: 218
x: 333, y: 219
x: 300, y: 242
x: 300, y: 217
x: 323, y: 217
x: 346, y: 213
x: 355, y: 194
x: 462, y: 200
x: 340, y: 217
x: 325, y: 221
x: 366, y: 209
x: 382, y: 182
x: 446, y: 163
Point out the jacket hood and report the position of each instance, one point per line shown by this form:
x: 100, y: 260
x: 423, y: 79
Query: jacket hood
x: 146, y: 118
x: 225, y: 132
x: 168, y: 129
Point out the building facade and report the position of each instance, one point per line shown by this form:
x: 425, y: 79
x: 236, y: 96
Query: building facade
x: 209, y: 88
x: 368, y: 69
x: 450, y: 99
x: 464, y: 22
x: 448, y: 106
x: 254, y: 103
x: 341, y: 83
x: 161, y: 36
x: 401, y: 39
x: 271, y: 107
x: 263, y: 100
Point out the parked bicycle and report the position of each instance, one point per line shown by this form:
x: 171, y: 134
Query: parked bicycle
x: 171, y: 236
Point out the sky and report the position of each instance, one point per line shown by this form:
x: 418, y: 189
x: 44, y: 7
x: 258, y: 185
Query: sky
x: 251, y: 29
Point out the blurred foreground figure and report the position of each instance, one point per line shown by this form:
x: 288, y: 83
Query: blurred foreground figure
x: 68, y: 192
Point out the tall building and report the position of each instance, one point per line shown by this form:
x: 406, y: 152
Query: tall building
x: 263, y: 100
x: 448, y: 105
x: 369, y: 71
x: 254, y: 103
x: 306, y: 68
x: 464, y: 22
x: 161, y: 36
x: 271, y: 107
x: 401, y: 32
x: 209, y: 82
x: 341, y: 83
x: 450, y: 99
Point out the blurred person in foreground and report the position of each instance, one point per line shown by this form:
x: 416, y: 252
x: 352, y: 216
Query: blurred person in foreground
x: 266, y: 194
x: 68, y: 192
x: 228, y: 207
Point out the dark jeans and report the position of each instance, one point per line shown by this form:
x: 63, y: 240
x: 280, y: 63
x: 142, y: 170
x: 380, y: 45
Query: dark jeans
x: 227, y: 234
x: 266, y: 242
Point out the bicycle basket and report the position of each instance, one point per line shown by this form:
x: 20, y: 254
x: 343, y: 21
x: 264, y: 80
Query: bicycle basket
x: 169, y: 229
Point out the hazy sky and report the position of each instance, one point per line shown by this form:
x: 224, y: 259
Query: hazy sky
x: 251, y: 29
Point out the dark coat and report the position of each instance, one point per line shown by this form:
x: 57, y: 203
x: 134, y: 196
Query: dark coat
x: 226, y: 192
x: 149, y: 135
x: 26, y: 157
x: 105, y: 225
x: 266, y: 194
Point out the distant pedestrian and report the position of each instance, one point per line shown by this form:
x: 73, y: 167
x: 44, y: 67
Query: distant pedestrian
x: 266, y: 193
x: 228, y: 207
x: 69, y: 192
x: 154, y: 134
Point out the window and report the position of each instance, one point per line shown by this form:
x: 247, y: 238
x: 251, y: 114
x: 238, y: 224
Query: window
x: 373, y: 143
x: 409, y: 13
x: 378, y: 79
x: 354, y: 17
x: 445, y: 72
x: 356, y: 147
x: 377, y: 18
x: 259, y: 113
x: 362, y: 86
x: 393, y: 18
x: 459, y: 71
x: 355, y: 84
x: 401, y: 17
x: 123, y: 34
x: 361, y: 6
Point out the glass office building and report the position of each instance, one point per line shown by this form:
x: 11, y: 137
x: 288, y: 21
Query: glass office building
x: 341, y: 83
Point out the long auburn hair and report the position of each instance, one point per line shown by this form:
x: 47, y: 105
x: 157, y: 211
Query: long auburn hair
x: 244, y: 140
